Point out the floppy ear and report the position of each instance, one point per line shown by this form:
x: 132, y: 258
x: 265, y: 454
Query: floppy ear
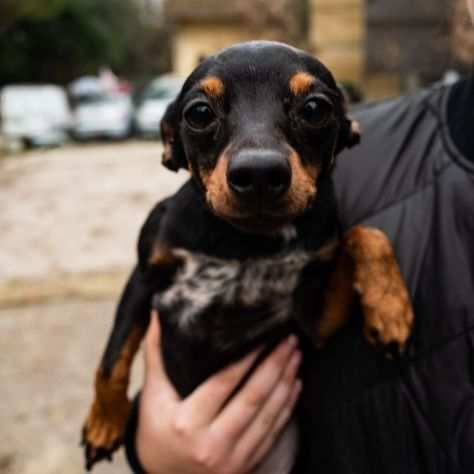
x: 173, y: 153
x: 349, y: 135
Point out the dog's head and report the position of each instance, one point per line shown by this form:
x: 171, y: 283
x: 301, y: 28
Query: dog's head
x: 258, y: 125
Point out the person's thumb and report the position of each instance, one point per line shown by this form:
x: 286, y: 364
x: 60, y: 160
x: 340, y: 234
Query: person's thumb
x: 155, y: 373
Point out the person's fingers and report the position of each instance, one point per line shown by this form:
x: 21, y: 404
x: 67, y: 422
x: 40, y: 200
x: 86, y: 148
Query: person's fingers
x: 284, y: 416
x: 265, y: 420
x: 151, y: 346
x: 207, y: 400
x: 240, y: 412
x: 155, y: 373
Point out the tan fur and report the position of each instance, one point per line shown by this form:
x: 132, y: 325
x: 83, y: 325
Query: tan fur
x: 328, y: 251
x: 105, y: 425
x: 303, y: 185
x: 338, y: 300
x: 218, y: 194
x: 356, y: 128
x: 300, y: 194
x: 367, y: 264
x: 388, y: 315
x: 213, y: 87
x: 162, y: 257
x: 301, y: 83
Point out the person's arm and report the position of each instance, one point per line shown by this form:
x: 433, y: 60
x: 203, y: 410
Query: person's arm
x: 203, y: 433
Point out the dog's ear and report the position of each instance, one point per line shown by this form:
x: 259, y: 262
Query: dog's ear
x: 349, y: 134
x: 173, y: 153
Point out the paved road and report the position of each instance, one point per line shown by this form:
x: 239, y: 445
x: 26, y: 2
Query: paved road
x: 69, y: 221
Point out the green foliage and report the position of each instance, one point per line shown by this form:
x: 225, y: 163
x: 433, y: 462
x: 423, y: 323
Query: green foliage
x: 40, y: 9
x: 59, y: 40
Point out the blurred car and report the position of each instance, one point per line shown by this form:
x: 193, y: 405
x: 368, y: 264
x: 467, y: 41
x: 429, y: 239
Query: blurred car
x: 36, y: 115
x: 102, y: 115
x: 154, y: 101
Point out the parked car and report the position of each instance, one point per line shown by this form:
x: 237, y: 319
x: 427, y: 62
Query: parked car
x: 102, y: 115
x: 36, y: 115
x: 153, y: 103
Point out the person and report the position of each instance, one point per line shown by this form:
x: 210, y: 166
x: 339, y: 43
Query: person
x: 412, y: 177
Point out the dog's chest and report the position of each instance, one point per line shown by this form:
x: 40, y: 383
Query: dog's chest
x: 204, y: 284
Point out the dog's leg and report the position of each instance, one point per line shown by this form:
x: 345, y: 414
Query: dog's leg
x: 104, y: 427
x: 386, y: 305
x: 367, y: 265
x: 338, y: 299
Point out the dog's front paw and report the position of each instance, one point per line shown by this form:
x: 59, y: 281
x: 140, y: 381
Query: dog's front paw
x: 388, y: 321
x: 103, y: 431
x: 387, y: 311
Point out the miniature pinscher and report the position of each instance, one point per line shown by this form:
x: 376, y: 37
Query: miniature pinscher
x: 250, y: 248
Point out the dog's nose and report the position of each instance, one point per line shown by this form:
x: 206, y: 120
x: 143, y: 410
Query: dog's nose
x: 259, y: 174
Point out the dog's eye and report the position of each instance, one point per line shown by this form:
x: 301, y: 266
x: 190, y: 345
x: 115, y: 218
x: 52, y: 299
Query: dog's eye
x: 317, y: 111
x: 199, y: 116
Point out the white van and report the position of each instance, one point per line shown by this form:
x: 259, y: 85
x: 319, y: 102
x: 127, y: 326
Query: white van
x: 36, y: 115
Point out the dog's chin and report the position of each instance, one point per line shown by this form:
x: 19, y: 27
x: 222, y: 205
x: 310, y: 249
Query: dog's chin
x: 258, y: 223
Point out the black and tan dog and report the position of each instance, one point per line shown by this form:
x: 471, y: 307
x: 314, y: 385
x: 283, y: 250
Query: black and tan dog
x: 250, y: 247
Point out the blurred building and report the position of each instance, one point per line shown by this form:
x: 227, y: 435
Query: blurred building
x: 202, y: 27
x: 382, y: 46
x: 337, y: 35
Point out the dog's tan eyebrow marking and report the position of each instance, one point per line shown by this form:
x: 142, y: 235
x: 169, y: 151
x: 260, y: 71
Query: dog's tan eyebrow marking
x: 213, y: 87
x: 301, y: 83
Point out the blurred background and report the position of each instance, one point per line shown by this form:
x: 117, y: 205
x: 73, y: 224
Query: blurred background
x: 83, y: 86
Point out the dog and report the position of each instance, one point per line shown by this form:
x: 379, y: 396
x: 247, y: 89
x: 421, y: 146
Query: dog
x: 250, y: 248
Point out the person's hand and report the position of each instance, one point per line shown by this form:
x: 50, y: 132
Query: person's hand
x: 203, y: 434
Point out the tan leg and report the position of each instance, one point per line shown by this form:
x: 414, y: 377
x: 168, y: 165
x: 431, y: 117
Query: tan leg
x: 104, y: 427
x: 388, y: 314
x: 338, y: 300
x: 367, y: 265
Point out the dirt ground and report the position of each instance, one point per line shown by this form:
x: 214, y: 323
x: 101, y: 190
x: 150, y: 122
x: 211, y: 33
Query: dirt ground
x: 49, y: 353
x: 69, y: 223
x: 77, y: 209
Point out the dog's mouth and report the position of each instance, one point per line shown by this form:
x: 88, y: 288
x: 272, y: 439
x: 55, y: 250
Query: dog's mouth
x: 260, y: 222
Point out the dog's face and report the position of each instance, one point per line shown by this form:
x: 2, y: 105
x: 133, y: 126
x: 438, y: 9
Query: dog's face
x: 258, y: 125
